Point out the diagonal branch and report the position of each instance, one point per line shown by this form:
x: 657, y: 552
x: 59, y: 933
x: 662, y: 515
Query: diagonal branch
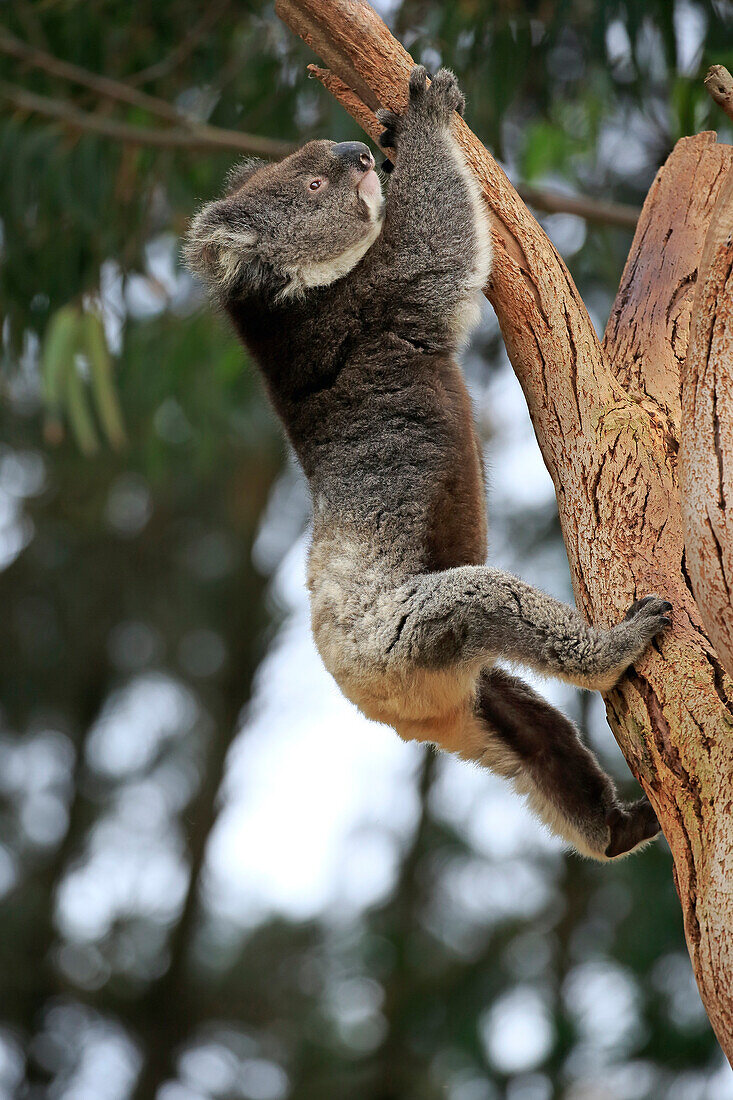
x: 551, y: 202
x: 103, y: 85
x: 620, y: 214
x: 190, y: 137
x: 121, y: 92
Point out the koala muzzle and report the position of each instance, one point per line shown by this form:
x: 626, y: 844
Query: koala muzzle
x: 355, y: 154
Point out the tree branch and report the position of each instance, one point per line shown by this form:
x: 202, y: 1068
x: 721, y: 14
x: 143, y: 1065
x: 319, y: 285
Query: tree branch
x: 190, y: 137
x: 683, y: 700
x: 606, y: 419
x: 103, y: 85
x: 592, y: 210
x: 706, y: 438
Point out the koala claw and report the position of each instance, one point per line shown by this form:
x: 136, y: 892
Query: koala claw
x: 434, y: 103
x: 418, y: 82
x: 445, y: 87
x: 391, y: 122
x: 650, y: 615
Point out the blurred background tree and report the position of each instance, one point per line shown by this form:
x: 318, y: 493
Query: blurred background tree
x: 216, y: 880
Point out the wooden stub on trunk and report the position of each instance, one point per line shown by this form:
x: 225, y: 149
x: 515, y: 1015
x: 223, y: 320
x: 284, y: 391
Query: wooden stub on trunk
x: 719, y: 84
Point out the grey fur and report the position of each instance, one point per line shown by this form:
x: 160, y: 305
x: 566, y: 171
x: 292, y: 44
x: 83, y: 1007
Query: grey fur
x: 356, y: 332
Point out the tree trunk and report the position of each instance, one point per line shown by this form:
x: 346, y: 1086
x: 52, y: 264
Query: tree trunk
x: 607, y: 419
x: 706, y: 439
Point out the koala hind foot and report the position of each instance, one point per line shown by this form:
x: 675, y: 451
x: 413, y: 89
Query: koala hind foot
x: 530, y: 742
x: 630, y: 826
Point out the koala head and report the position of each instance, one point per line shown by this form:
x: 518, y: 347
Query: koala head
x: 281, y: 228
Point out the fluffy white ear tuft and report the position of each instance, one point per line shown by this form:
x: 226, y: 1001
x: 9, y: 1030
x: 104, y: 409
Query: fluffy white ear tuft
x: 218, y: 245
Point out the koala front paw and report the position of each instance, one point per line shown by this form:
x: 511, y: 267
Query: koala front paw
x: 430, y: 104
x: 439, y: 98
x: 648, y: 617
x: 627, y: 642
x: 651, y: 605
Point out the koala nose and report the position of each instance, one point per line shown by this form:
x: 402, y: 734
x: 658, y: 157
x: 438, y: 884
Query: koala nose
x: 355, y: 154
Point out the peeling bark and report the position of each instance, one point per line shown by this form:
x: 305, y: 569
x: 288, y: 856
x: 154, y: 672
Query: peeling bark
x: 706, y: 440
x: 607, y: 421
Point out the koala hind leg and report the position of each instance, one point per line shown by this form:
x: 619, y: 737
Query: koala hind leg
x: 541, y: 751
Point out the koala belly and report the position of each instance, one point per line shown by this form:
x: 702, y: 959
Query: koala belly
x: 355, y: 612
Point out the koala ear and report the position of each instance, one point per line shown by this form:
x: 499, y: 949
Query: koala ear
x: 238, y: 175
x: 220, y: 244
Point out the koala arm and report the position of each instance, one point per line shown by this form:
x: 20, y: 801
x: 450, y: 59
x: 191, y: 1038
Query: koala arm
x: 476, y: 613
x: 435, y: 246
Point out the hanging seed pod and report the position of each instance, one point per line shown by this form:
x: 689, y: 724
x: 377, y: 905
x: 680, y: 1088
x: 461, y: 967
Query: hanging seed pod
x: 78, y: 411
x: 57, y: 358
x: 94, y: 343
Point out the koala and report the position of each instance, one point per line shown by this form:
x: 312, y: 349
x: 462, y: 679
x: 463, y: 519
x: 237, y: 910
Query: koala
x: 355, y: 310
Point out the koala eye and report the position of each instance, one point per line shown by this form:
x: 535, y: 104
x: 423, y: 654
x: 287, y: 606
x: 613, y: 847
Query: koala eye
x: 315, y: 184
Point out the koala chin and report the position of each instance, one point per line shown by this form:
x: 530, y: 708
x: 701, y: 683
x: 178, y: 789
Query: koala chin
x: 355, y: 311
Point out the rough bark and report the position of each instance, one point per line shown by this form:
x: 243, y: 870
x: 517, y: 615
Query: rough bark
x: 607, y: 421
x: 706, y: 438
